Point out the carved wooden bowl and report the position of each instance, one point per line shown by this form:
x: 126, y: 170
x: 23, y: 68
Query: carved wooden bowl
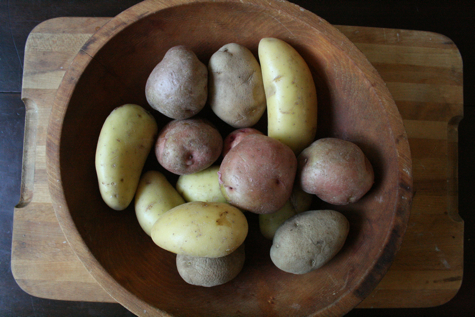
x: 354, y: 104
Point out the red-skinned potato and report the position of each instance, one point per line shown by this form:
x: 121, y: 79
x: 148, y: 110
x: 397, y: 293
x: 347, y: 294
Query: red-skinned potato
x: 188, y: 146
x: 235, y: 137
x: 335, y: 170
x: 257, y: 174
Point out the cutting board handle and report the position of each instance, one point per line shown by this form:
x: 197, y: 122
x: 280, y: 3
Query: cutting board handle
x: 29, y: 153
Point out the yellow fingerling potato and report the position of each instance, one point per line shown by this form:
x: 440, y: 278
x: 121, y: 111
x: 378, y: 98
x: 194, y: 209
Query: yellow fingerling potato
x: 290, y: 94
x: 201, y: 186
x: 269, y: 223
x: 154, y: 197
x: 125, y: 141
x: 201, y: 229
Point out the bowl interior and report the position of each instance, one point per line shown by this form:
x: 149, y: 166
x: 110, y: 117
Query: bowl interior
x: 351, y: 106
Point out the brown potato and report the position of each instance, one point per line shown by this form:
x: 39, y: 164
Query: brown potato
x: 235, y: 137
x: 178, y: 86
x: 236, y: 90
x: 309, y: 240
x: 257, y: 174
x: 188, y: 146
x: 335, y: 170
x: 209, y: 272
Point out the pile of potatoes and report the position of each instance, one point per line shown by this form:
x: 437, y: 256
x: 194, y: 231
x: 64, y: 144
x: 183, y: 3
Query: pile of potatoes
x: 202, y: 218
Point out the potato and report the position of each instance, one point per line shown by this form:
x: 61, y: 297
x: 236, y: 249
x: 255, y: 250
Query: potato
x: 209, y: 272
x: 201, y: 186
x: 236, y: 91
x: 257, y: 174
x: 235, y: 137
x: 335, y: 170
x: 300, y: 200
x: 178, y: 86
x: 125, y: 141
x: 269, y: 223
x: 309, y: 240
x: 154, y: 196
x: 188, y: 146
x: 201, y: 229
x: 290, y: 93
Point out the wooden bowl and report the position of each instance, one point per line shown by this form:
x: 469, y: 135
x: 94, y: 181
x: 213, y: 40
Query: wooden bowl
x: 354, y: 104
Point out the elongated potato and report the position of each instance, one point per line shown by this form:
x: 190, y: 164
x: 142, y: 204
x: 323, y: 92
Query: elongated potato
x: 201, y: 186
x: 201, y: 229
x: 154, y: 197
x: 125, y: 141
x: 290, y: 93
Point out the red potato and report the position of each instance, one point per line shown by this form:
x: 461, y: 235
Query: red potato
x: 188, y: 146
x: 235, y: 137
x: 257, y: 174
x: 335, y: 170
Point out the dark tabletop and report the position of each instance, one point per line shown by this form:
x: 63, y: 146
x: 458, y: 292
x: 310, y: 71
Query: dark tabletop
x: 454, y: 19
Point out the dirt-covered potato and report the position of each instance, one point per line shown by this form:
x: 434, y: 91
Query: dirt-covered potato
x: 236, y: 91
x: 257, y: 174
x: 209, y: 272
x: 178, y: 86
x: 188, y: 146
x: 235, y: 137
x: 335, y: 170
x: 309, y: 240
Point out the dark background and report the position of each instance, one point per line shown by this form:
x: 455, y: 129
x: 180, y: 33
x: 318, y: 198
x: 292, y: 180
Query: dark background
x: 454, y: 19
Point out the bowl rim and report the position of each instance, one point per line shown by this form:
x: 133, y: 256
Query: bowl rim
x: 393, y: 239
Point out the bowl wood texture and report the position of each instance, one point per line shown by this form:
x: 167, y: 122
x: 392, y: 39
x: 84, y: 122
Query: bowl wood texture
x: 354, y: 104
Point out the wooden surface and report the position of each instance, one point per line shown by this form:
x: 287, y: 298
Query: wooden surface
x: 423, y: 72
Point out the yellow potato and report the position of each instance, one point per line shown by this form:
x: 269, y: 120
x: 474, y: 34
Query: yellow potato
x: 201, y: 186
x: 269, y: 223
x: 125, y: 141
x: 154, y: 197
x: 290, y: 93
x: 201, y: 229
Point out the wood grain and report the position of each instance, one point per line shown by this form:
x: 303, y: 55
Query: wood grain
x: 427, y: 270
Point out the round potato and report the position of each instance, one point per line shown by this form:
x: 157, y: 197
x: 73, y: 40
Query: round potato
x: 335, y: 170
x: 124, y: 144
x: 236, y: 91
x: 235, y: 137
x: 178, y: 86
x: 154, y: 196
x: 188, y: 146
x: 308, y: 240
x: 201, y: 186
x: 209, y: 272
x: 201, y: 229
x: 258, y: 174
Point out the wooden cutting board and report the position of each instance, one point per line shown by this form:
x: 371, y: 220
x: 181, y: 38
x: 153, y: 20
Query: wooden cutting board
x: 422, y: 70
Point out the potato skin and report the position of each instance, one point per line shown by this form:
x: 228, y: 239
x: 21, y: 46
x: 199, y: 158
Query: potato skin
x: 236, y: 91
x: 154, y: 196
x: 124, y: 143
x: 257, y: 174
x: 188, y: 146
x: 269, y: 223
x: 201, y: 229
x: 178, y: 86
x: 209, y: 272
x: 335, y: 170
x: 235, y: 137
x: 309, y: 240
x: 290, y: 93
x: 201, y: 186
